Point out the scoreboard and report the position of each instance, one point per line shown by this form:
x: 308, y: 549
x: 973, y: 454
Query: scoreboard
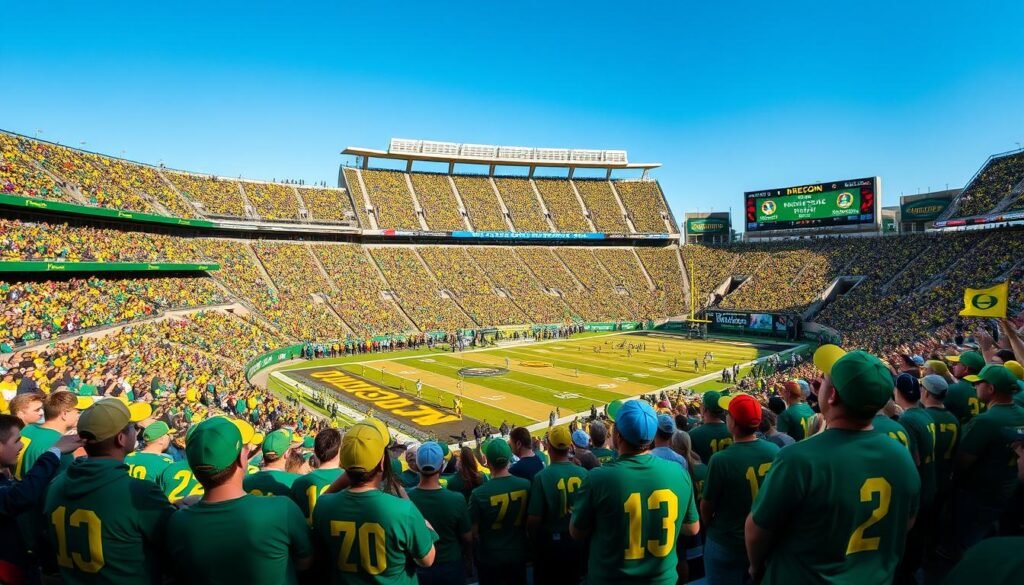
x: 854, y: 203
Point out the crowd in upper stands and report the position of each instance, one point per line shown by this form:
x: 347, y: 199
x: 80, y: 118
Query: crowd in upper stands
x: 563, y: 205
x: 440, y: 209
x: 521, y: 202
x: 218, y: 196
x: 327, y: 205
x: 993, y: 183
x: 646, y: 206
x: 604, y: 210
x: 273, y: 201
x: 392, y: 202
x: 35, y: 241
x: 482, y: 204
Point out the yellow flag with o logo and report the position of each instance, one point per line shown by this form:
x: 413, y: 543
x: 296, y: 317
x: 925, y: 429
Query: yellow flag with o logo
x: 986, y: 302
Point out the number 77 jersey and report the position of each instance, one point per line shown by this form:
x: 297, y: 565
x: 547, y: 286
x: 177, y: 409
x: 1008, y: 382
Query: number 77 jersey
x: 634, y: 509
x: 838, y: 503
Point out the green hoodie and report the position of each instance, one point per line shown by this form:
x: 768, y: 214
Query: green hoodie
x: 106, y: 526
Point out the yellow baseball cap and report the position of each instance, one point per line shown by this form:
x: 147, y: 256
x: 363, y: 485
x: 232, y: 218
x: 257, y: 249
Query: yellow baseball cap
x: 1015, y: 368
x: 560, y: 437
x: 362, y: 448
x: 106, y: 418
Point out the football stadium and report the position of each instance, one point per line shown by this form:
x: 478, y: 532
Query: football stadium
x: 469, y: 361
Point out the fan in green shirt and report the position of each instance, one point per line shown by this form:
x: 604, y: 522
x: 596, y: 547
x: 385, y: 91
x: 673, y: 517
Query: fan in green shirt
x: 993, y: 561
x: 307, y: 489
x: 634, y: 509
x: 150, y: 463
x: 894, y: 430
x: 840, y: 502
x: 985, y: 465
x: 230, y: 536
x: 796, y: 419
x: 712, y: 436
x: 946, y: 430
x: 559, y: 558
x: 961, y: 398
x: 60, y: 413
x: 497, y: 511
x: 106, y: 526
x: 920, y: 426
x: 447, y: 514
x: 363, y: 534
x: 599, y: 438
x: 273, y: 480
x: 177, y: 480
x: 734, y: 478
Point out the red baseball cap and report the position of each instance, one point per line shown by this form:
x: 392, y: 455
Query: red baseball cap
x: 744, y: 409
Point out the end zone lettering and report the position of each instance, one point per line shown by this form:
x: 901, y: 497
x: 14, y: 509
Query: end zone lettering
x: 385, y: 400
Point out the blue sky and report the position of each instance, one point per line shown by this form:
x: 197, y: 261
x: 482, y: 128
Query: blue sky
x: 731, y: 97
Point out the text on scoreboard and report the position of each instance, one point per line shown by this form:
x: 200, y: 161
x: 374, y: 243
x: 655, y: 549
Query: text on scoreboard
x: 837, y: 203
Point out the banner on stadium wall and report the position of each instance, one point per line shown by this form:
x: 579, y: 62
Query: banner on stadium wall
x: 60, y: 206
x: 923, y: 210
x: 609, y: 326
x: 104, y: 267
x: 762, y: 323
x: 270, y: 358
x: 529, y: 235
x: 707, y: 226
x: 729, y: 320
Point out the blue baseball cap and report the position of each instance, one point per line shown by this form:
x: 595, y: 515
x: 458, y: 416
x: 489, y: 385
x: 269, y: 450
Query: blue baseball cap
x: 637, y: 422
x: 429, y: 457
x: 805, y: 388
x: 918, y: 360
x: 666, y: 424
x: 581, y: 439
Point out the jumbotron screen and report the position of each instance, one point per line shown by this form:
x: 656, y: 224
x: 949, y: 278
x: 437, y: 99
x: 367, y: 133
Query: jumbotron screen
x: 837, y: 203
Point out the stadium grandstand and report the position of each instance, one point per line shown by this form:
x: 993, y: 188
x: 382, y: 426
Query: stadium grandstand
x: 444, y: 305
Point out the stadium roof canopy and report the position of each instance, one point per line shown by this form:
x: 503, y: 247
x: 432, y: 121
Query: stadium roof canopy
x: 493, y: 155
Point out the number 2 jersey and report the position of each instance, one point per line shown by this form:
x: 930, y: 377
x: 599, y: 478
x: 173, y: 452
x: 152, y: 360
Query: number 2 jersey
x: 838, y: 505
x: 634, y: 509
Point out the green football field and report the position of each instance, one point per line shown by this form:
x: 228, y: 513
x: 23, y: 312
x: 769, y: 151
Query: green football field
x: 524, y: 383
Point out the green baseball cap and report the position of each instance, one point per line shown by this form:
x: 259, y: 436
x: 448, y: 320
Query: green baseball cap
x: 710, y: 401
x: 214, y: 444
x: 970, y: 359
x: 1002, y: 379
x: 279, y: 441
x: 445, y: 451
x: 862, y: 381
x: 156, y: 430
x: 498, y: 452
x: 308, y: 441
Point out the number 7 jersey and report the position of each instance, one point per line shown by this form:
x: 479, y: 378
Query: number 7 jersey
x: 838, y: 505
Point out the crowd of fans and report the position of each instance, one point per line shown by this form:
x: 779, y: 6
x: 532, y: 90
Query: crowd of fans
x: 19, y: 174
x: 604, y: 210
x: 38, y: 241
x: 522, y: 205
x: 645, y: 205
x: 40, y: 311
x: 273, y: 200
x: 562, y: 204
x: 459, y: 274
x: 391, y: 199
x: 440, y: 208
x: 588, y: 270
x: 218, y: 196
x: 356, y: 190
x: 511, y: 274
x: 360, y: 301
x: 419, y: 293
x: 993, y: 183
x: 663, y: 266
x: 626, y: 273
x: 482, y: 204
x: 299, y: 282
x: 327, y: 205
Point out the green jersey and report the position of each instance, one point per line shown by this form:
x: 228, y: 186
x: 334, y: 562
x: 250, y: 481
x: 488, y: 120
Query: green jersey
x: 700, y: 476
x: 947, y: 435
x: 106, y: 526
x: 498, y: 509
x: 993, y: 477
x: 604, y: 456
x: 710, y: 438
x: 307, y: 489
x: 921, y: 426
x: 552, y: 495
x: 838, y: 505
x: 894, y: 430
x: 36, y: 440
x: 962, y: 400
x: 634, y: 510
x: 370, y: 537
x: 796, y: 420
x: 178, y: 482
x: 448, y: 516
x: 993, y: 561
x: 270, y: 482
x: 207, y: 542
x: 409, y: 479
x: 147, y: 465
x: 457, y: 484
x: 734, y: 478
